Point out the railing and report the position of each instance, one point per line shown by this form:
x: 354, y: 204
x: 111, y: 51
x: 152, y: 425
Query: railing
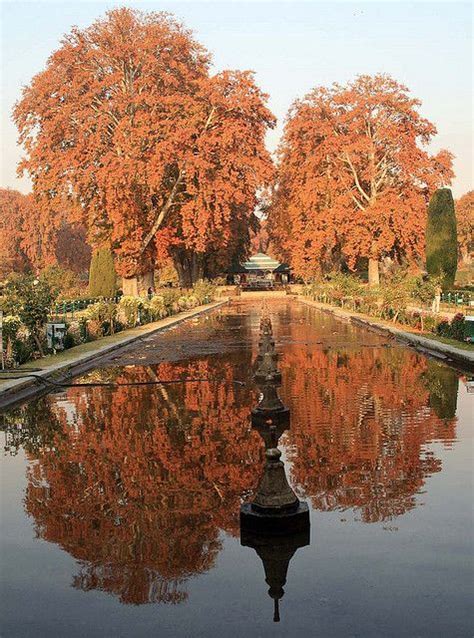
x: 458, y: 298
x: 76, y: 305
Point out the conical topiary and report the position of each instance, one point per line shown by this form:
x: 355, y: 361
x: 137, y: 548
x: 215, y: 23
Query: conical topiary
x: 102, y: 276
x: 441, y: 237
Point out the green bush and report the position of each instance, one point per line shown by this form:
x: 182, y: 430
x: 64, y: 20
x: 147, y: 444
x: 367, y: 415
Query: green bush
x: 430, y: 323
x: 101, y: 318
x: 130, y: 310
x: 170, y: 298
x: 457, y: 327
x: 441, y: 237
x: 31, y: 300
x: 453, y: 330
x: 204, y: 291
x: 157, y: 308
x: 102, y: 276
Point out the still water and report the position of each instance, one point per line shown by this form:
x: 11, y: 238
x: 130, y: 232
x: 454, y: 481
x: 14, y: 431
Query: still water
x: 120, y: 503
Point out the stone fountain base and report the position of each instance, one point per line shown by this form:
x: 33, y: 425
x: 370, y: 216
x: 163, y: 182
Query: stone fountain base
x: 278, y: 523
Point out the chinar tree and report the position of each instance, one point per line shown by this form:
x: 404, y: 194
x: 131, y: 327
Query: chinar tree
x: 465, y: 226
x: 353, y: 177
x: 127, y: 131
x: 441, y: 237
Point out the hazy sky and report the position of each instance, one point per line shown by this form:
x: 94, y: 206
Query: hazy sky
x: 291, y: 46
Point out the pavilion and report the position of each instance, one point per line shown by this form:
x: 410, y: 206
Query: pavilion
x: 260, y: 271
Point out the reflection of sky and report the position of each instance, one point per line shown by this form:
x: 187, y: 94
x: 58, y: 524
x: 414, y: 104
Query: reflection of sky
x: 291, y: 46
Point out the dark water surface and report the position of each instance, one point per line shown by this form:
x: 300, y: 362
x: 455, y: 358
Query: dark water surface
x: 120, y: 504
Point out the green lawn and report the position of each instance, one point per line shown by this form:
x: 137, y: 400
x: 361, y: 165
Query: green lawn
x: 449, y: 342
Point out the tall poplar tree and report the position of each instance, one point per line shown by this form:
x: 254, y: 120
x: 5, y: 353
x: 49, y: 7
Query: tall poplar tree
x: 441, y: 237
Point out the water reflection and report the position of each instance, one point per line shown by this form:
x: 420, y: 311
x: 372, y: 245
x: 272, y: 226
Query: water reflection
x: 274, y: 522
x: 138, y: 483
x: 139, y: 497
x: 361, y: 424
x: 275, y: 553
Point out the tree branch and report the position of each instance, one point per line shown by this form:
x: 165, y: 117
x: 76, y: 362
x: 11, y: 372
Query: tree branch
x: 170, y: 201
x: 356, y: 178
x: 161, y: 215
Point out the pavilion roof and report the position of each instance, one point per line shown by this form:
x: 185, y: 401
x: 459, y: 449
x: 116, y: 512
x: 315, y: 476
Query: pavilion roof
x: 261, y: 262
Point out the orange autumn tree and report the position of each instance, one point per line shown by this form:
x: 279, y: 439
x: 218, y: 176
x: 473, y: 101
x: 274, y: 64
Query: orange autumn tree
x: 465, y: 226
x: 127, y: 131
x: 353, y: 178
x: 26, y: 244
x: 14, y: 210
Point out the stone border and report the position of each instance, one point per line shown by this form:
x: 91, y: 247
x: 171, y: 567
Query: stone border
x: 450, y: 354
x: 18, y: 390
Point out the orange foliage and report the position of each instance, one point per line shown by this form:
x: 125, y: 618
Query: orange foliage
x: 360, y: 425
x: 26, y: 243
x: 260, y: 239
x: 465, y: 225
x: 72, y: 250
x: 139, y: 496
x: 353, y: 178
x: 126, y: 131
x: 15, y: 209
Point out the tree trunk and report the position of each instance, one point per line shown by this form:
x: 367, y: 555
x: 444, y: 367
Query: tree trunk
x: 38, y: 344
x: 189, y: 266
x: 138, y: 286
x: 374, y: 279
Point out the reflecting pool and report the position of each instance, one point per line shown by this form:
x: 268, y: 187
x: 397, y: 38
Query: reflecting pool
x: 121, y: 496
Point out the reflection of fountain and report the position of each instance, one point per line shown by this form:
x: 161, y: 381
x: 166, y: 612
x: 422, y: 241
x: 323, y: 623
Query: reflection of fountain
x: 275, y: 523
x: 275, y: 553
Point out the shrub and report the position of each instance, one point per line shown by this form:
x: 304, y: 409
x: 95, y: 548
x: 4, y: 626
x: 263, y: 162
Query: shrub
x: 74, y: 335
x: 395, y: 294
x: 204, y: 291
x: 32, y: 300
x: 424, y: 288
x: 157, y: 308
x: 11, y: 325
x: 129, y: 310
x: 102, y: 276
x: 23, y: 346
x: 457, y: 327
x: 453, y: 330
x: 443, y: 328
x: 441, y: 237
x: 430, y: 323
x: 100, y: 318
x: 170, y: 297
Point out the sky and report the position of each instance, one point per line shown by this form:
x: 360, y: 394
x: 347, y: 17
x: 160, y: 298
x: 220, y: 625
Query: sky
x: 291, y: 46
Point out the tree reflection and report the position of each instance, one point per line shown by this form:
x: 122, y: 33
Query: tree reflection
x: 361, y: 421
x: 137, y: 483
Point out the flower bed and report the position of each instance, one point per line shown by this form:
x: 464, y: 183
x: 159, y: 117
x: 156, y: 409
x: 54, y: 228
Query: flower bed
x: 393, y: 301
x: 104, y: 318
